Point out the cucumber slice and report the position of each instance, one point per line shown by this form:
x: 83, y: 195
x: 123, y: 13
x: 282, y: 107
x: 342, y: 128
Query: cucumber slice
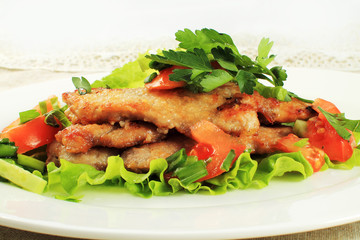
x: 22, y: 177
x: 300, y: 128
x: 31, y: 162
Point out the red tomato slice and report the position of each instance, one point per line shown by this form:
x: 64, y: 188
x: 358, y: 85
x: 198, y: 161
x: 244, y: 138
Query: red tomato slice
x: 31, y: 135
x: 326, y: 105
x: 218, y: 144
x: 37, y: 108
x: 162, y: 81
x: 202, y: 150
x: 313, y: 155
x: 322, y: 135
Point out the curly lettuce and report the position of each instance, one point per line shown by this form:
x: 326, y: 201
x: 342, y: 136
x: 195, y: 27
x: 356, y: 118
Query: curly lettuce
x: 65, y: 181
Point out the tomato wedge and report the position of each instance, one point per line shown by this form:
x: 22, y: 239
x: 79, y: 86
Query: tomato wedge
x: 32, y: 134
x: 162, y: 81
x: 326, y: 105
x: 322, y: 135
x: 37, y: 108
x: 215, y: 143
x: 314, y: 155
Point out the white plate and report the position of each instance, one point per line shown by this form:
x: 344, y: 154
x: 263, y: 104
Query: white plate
x: 325, y: 199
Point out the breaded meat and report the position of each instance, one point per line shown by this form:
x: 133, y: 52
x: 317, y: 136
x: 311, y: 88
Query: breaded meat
x: 226, y: 107
x: 138, y: 158
x: 96, y: 157
x: 80, y: 138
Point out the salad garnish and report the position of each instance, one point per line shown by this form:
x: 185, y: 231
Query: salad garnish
x: 212, y: 59
x: 250, y: 130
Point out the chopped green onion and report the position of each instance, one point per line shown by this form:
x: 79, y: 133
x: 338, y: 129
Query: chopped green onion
x: 43, y: 107
x: 28, y: 115
x: 60, y: 115
x: 176, y: 160
x: 55, y: 103
x: 7, y: 150
x: 150, y: 77
x: 6, y: 141
x: 82, y: 85
x: 228, y: 160
x: 22, y: 177
x: 191, y: 172
x: 30, y: 162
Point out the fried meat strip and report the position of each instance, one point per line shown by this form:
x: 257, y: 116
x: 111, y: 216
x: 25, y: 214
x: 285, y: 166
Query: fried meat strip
x: 138, y: 159
x: 80, y: 138
x: 278, y: 111
x: 167, y: 109
x: 96, y: 157
x: 226, y: 107
x: 265, y: 139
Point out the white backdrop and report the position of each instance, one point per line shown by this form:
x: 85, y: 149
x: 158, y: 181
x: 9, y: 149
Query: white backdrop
x: 100, y: 35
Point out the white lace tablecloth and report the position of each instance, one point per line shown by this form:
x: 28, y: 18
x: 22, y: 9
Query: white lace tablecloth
x: 42, y: 40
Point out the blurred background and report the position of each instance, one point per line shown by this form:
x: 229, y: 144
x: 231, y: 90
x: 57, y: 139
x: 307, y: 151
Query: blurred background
x: 96, y: 36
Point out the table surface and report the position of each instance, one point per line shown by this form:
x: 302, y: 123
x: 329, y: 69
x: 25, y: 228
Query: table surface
x: 13, y: 78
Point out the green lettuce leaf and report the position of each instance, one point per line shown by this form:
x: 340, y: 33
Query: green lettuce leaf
x: 131, y: 75
x: 352, y: 162
x: 65, y: 181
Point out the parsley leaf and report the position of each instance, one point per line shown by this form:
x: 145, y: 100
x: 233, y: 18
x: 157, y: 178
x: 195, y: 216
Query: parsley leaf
x: 216, y: 79
x: 213, y: 59
x: 225, y: 57
x: 246, y: 81
x: 197, y: 59
x: 341, y: 124
x: 263, y: 51
x: 206, y: 39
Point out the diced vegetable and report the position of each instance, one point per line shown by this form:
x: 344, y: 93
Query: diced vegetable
x: 300, y: 128
x: 31, y: 162
x: 31, y: 135
x: 323, y: 135
x: 46, y: 106
x: 162, y: 81
x: 30, y: 130
x: 22, y: 177
x: 205, y: 132
x: 292, y: 143
x: 7, y: 150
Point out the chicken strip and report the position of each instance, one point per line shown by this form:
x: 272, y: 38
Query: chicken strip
x: 96, y: 157
x: 80, y: 138
x: 226, y: 107
x: 167, y: 109
x: 265, y: 139
x: 138, y: 159
x: 278, y: 111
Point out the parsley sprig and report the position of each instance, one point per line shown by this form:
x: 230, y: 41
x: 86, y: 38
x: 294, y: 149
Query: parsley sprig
x: 341, y: 124
x: 199, y: 50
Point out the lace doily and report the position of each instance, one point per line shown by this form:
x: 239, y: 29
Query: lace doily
x: 107, y: 58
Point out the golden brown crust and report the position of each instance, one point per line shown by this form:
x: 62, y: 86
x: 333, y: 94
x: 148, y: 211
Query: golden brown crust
x: 80, y: 138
